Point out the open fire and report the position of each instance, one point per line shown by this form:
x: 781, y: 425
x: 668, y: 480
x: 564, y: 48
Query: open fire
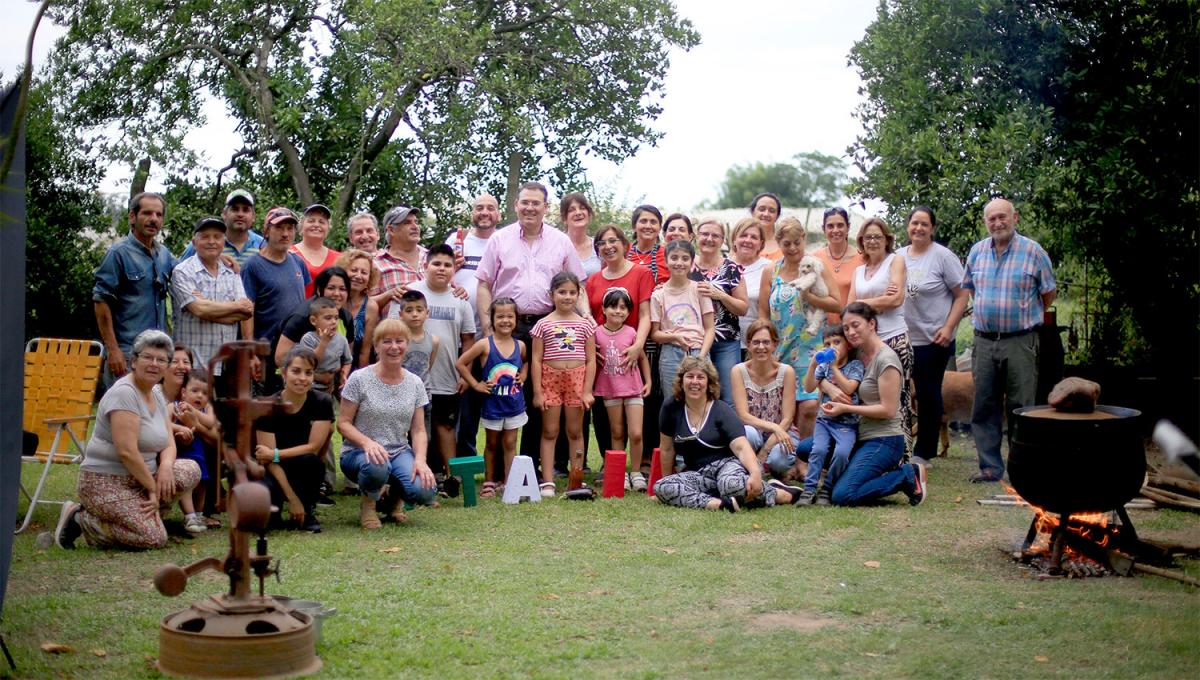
x: 1053, y: 549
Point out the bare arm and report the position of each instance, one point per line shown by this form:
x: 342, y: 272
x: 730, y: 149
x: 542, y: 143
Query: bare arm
x: 221, y: 312
x: 467, y: 359
x: 282, y: 347
x: 710, y: 334
x: 764, y: 294
x: 894, y: 296
x: 483, y: 304
x: 741, y: 403
x: 666, y: 454
x: 536, y: 371
x: 589, y: 377
x: 372, y: 318
x: 946, y: 333
x: 745, y: 455
x: 116, y: 358
x: 737, y: 301
x: 1049, y: 297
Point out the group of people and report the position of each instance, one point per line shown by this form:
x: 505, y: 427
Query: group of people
x: 710, y: 336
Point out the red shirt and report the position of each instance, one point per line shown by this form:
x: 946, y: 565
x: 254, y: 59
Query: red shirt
x: 331, y: 256
x: 654, y: 261
x: 637, y: 282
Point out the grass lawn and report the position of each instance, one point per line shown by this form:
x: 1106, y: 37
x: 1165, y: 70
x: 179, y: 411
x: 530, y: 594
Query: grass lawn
x: 631, y: 589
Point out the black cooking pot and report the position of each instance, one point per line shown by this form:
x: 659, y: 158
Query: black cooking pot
x: 1074, y: 466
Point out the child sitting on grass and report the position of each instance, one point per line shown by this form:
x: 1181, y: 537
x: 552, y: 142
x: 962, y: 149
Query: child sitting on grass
x: 623, y: 390
x: 505, y: 366
x: 195, y: 429
x: 331, y: 347
x: 835, y: 378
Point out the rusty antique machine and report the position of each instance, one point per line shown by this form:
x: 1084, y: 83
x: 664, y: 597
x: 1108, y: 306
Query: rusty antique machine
x: 238, y: 633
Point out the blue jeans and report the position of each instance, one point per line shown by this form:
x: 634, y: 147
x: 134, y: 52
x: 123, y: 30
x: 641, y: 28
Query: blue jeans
x: 828, y: 434
x: 779, y: 460
x: 873, y: 472
x: 397, y: 472
x: 668, y: 364
x: 725, y: 354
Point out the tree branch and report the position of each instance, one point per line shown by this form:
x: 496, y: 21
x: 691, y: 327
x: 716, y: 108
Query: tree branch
x: 532, y: 21
x: 10, y: 146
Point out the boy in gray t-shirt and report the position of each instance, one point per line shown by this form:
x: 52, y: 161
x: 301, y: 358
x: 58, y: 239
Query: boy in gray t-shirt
x: 330, y: 346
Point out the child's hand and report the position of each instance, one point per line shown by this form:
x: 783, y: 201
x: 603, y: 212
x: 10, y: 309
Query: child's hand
x: 538, y: 402
x: 646, y: 390
x: 296, y: 510
x: 588, y: 399
x: 326, y: 334
x: 833, y: 408
x: 263, y: 454
x: 484, y: 387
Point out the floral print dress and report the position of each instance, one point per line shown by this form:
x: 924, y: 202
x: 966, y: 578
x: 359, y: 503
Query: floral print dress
x: 796, y: 346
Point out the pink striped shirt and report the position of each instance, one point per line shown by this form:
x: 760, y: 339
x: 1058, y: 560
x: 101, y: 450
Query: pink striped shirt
x: 563, y: 339
x: 519, y: 269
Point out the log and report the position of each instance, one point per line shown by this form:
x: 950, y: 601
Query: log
x: 1189, y: 485
x: 1167, y: 573
x: 1182, y: 498
x: 1169, y: 502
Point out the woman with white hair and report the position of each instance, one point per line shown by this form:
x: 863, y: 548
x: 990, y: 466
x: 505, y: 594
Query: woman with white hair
x: 129, y: 466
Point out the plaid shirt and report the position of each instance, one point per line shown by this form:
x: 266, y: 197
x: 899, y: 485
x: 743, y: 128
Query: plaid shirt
x: 394, y: 272
x: 1008, y: 290
x: 204, y: 337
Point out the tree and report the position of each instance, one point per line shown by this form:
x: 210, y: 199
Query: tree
x: 372, y: 102
x: 64, y: 215
x: 813, y: 178
x: 1084, y: 112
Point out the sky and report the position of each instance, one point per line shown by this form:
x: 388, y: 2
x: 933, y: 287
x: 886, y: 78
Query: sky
x: 769, y: 79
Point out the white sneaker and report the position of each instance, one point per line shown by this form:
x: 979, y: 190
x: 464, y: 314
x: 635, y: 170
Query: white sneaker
x: 637, y: 481
x: 628, y: 484
x: 194, y: 525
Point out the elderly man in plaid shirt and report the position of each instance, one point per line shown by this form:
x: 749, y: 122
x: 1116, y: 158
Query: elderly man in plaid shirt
x: 209, y: 298
x: 1012, y: 281
x: 403, y: 261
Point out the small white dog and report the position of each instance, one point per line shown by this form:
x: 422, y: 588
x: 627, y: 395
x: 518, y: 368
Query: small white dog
x: 811, y: 279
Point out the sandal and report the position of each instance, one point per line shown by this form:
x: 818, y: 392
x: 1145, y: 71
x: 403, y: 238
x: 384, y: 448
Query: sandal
x: 368, y: 518
x: 547, y: 489
x: 398, y: 515
x: 488, y: 490
x: 212, y: 522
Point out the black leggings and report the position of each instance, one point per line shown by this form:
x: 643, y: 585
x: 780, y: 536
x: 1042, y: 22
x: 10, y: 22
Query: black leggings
x: 929, y: 366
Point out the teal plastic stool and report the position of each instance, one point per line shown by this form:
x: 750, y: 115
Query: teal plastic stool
x: 467, y: 468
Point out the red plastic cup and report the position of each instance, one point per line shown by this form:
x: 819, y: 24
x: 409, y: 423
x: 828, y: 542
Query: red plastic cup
x: 614, y: 475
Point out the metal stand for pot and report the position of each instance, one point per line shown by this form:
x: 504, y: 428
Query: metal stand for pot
x: 239, y: 633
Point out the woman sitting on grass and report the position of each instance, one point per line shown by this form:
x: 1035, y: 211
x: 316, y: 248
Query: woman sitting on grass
x: 129, y: 465
x: 290, y: 442
x: 383, y: 409
x: 876, y: 467
x: 722, y: 471
x: 762, y: 397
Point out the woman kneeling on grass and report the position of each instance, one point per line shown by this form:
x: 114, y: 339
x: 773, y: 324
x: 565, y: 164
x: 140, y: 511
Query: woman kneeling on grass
x: 722, y: 470
x: 129, y: 465
x: 383, y: 408
x: 876, y: 467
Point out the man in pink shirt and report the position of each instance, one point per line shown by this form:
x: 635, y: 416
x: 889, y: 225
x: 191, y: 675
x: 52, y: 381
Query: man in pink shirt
x: 519, y: 262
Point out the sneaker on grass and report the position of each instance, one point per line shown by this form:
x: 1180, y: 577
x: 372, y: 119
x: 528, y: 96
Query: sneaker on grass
x: 920, y: 488
x: 68, y: 530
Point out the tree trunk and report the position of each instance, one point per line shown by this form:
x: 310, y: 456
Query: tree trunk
x: 138, y: 185
x: 515, y: 160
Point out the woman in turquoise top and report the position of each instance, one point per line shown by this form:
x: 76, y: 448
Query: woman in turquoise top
x: 785, y: 307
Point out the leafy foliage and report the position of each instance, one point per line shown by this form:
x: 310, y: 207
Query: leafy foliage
x: 369, y: 103
x: 1084, y: 112
x: 64, y: 215
x: 813, y: 178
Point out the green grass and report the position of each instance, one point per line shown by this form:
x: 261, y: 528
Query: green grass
x: 632, y: 589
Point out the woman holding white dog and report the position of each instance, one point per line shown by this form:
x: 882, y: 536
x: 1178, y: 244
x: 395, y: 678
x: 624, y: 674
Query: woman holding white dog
x: 788, y: 308
x: 933, y: 305
x: 721, y: 281
x: 881, y: 283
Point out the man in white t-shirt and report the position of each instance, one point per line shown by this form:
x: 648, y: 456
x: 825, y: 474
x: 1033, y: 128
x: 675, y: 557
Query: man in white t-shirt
x: 468, y: 248
x: 452, y: 322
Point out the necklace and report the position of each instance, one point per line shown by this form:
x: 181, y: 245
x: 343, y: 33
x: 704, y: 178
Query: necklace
x: 838, y: 261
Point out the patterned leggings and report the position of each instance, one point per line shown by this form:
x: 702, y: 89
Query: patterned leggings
x: 695, y: 488
x: 903, y: 350
x: 112, y: 515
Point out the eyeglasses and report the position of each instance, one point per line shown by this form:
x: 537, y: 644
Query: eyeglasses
x: 611, y: 242
x: 152, y: 359
x: 873, y: 237
x: 761, y: 343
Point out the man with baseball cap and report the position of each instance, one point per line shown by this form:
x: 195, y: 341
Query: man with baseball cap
x: 274, y: 280
x: 241, y: 241
x: 210, y: 301
x: 403, y: 262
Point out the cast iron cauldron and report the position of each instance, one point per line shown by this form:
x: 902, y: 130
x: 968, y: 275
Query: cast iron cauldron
x: 1074, y: 466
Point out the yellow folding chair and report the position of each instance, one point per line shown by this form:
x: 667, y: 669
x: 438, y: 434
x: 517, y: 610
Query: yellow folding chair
x: 60, y: 388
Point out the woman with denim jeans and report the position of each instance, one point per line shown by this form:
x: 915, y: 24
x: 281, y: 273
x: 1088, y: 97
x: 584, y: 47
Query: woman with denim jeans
x: 876, y: 467
x: 383, y: 410
x: 762, y: 389
x: 720, y: 280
